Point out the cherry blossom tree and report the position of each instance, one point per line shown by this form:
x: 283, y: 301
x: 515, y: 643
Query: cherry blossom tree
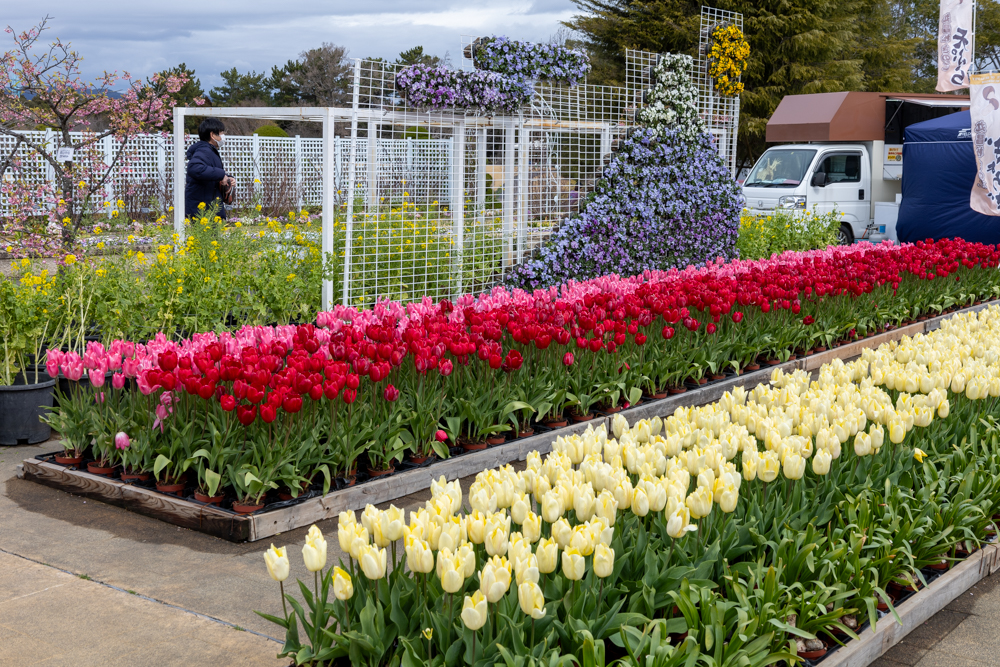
x: 43, y: 86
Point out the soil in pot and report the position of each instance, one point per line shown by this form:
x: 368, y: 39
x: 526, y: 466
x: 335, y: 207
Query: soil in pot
x: 660, y: 395
x: 528, y: 432
x: 471, y: 446
x: 558, y: 423
x: 819, y: 349
x: 208, y: 500
x: 702, y: 380
x: 381, y: 473
x: 940, y: 566
x: 71, y: 461
x: 420, y: 459
x: 95, y: 468
x: 673, y: 391
x: 812, y: 655
x: 495, y: 440
x: 616, y: 409
x: 136, y: 476
x: 582, y: 418
x: 171, y: 486
x: 750, y: 368
x: 772, y: 362
x: 719, y: 376
x: 240, y: 508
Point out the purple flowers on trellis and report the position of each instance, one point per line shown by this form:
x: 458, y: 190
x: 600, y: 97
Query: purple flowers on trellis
x: 501, y: 82
x: 663, y: 202
x: 440, y: 88
x: 531, y: 61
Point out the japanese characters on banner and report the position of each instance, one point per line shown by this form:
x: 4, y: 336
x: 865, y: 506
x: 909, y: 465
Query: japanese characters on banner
x: 984, y: 96
x: 955, y: 30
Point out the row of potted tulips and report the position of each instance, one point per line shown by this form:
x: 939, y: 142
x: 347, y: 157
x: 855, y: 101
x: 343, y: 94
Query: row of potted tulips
x: 296, y: 408
x: 770, y: 526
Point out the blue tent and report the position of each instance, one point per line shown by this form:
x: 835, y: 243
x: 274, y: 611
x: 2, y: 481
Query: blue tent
x: 939, y: 169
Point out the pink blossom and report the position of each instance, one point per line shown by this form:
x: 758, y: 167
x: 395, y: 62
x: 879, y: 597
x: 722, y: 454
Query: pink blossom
x: 72, y: 366
x: 96, y: 377
x: 122, y: 440
x: 117, y: 380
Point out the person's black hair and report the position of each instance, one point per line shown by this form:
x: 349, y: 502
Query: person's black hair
x: 208, y: 126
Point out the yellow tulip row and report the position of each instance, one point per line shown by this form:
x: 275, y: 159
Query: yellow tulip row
x: 649, y: 466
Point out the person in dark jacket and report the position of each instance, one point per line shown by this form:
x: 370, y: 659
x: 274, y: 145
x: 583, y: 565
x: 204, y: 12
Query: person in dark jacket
x: 205, y: 171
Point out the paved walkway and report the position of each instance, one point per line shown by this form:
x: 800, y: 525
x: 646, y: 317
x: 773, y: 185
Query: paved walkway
x: 84, y: 583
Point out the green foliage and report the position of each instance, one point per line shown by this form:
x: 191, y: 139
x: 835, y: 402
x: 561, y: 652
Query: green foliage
x: 764, y: 235
x: 270, y: 130
x: 185, y: 97
x: 238, y: 87
x: 416, y: 56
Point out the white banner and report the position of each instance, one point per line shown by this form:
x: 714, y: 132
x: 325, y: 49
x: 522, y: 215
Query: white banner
x: 985, y: 110
x: 955, y: 32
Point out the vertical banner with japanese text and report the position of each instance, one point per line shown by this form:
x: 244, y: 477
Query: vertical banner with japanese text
x: 955, y: 30
x: 984, y: 93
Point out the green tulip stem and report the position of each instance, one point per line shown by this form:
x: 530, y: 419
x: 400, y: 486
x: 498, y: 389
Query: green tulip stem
x: 600, y: 597
x: 670, y: 552
x: 284, y: 606
x: 394, y: 558
x: 764, y: 504
x: 451, y: 614
x: 571, y: 602
x: 473, y: 648
x: 316, y: 606
x: 532, y: 631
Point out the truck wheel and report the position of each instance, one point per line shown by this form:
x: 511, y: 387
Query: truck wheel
x: 845, y: 236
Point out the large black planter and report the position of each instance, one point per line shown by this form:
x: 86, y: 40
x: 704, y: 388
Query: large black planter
x: 21, y: 406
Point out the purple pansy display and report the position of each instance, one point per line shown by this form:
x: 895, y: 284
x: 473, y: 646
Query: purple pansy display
x: 429, y: 87
x: 531, y: 61
x: 662, y: 202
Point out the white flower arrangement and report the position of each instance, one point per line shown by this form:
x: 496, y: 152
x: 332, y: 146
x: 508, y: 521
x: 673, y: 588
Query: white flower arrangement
x: 672, y: 102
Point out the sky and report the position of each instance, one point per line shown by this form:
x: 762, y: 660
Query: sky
x: 142, y: 37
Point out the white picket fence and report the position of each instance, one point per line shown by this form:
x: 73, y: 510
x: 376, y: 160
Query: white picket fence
x: 425, y: 163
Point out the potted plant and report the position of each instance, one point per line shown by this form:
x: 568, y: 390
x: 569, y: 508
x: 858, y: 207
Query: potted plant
x: 175, y: 455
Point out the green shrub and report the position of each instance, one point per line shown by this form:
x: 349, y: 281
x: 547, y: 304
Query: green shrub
x: 270, y: 130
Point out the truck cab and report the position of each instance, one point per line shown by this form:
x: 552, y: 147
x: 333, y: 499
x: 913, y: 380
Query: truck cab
x: 843, y: 152
x: 815, y: 177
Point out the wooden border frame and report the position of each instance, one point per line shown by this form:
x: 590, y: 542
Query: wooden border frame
x: 266, y: 524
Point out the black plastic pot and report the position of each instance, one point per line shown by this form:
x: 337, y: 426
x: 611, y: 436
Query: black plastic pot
x: 21, y: 406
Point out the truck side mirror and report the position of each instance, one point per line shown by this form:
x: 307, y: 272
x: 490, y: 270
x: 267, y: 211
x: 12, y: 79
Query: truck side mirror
x: 819, y: 179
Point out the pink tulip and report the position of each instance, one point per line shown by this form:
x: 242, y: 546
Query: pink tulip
x: 96, y: 377
x: 72, y: 366
x: 52, y: 360
x: 122, y: 441
x: 117, y: 380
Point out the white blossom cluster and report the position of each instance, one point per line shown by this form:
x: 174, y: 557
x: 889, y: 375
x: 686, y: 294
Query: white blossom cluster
x: 672, y: 102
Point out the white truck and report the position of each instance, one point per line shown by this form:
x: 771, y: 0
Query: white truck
x: 845, y: 154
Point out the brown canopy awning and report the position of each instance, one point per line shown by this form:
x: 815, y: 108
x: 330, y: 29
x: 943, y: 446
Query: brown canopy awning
x: 843, y: 116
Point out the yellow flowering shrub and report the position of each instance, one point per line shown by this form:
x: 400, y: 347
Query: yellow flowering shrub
x: 727, y: 59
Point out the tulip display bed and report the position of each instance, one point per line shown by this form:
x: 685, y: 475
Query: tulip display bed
x: 284, y: 515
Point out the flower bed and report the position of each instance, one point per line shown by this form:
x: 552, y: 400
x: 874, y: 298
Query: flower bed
x: 531, y: 61
x: 361, y: 390
x: 773, y: 525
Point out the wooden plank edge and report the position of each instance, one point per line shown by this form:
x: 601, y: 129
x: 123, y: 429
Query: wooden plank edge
x: 166, y: 508
x: 917, y: 609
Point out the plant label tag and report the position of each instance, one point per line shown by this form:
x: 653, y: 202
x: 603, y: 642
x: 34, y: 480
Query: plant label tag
x: 64, y: 155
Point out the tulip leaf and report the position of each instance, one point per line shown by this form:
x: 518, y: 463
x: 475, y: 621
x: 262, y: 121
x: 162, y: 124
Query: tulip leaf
x: 161, y: 463
x: 212, y: 481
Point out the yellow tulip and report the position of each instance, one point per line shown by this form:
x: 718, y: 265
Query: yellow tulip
x: 494, y: 579
x: 531, y: 528
x: 476, y: 526
x: 768, y: 467
x: 526, y: 569
x: 573, y: 564
x: 700, y: 502
x: 314, y: 550
x: 919, y: 454
x: 821, y: 462
x: 452, y: 534
x: 497, y: 531
x: 606, y: 507
x: 584, y: 502
x: 372, y: 562
x: 728, y: 499
x: 359, y: 540
x: 552, y: 507
x: 419, y: 556
x: 343, y: 587
x: 679, y: 523
x: 391, y: 521
x: 547, y: 553
x: 450, y: 571
x: 520, y: 507
x: 277, y: 563
x: 468, y: 558
x: 474, y: 611
x: 531, y: 600
x: 793, y: 466
x: 897, y: 431
x: 562, y: 533
x: 604, y: 561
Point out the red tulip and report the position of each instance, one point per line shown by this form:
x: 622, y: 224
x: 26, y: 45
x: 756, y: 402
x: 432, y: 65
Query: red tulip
x: 737, y: 317
x: 291, y: 404
x: 268, y: 413
x: 568, y: 359
x: 440, y: 436
x: 391, y: 393
x: 668, y: 332
x: 167, y: 360
x: 246, y: 414
x: 807, y: 320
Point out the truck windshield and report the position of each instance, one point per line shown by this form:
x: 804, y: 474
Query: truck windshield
x: 780, y: 168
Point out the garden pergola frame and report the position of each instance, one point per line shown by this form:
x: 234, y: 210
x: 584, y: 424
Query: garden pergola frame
x: 328, y: 116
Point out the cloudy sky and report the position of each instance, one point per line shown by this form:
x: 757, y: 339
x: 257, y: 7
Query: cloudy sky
x: 143, y: 37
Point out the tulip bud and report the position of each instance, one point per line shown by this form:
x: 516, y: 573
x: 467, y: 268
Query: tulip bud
x: 391, y: 521
x: 519, y: 508
x: 531, y: 528
x: 531, y: 600
x: 494, y: 579
x: 373, y: 562
x: 122, y: 440
x: 679, y: 523
x: 474, y: 611
x: 794, y: 466
x: 562, y: 533
x: 768, y: 467
x: 277, y: 562
x: 552, y: 507
x: 897, y: 431
x: 419, y: 557
x: 468, y: 559
x: 343, y: 587
x: 821, y: 462
x: 573, y: 564
x: 604, y: 561
x: 700, y: 502
x: 450, y: 570
x: 526, y: 569
x: 314, y: 550
x: 497, y: 533
x: 640, y: 502
x: 547, y: 553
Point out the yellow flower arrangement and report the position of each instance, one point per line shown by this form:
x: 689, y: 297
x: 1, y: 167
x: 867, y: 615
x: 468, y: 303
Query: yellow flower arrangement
x: 727, y: 59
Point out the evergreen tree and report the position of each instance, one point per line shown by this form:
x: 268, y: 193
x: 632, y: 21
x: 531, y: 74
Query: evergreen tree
x: 285, y: 91
x: 238, y: 87
x: 417, y: 56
